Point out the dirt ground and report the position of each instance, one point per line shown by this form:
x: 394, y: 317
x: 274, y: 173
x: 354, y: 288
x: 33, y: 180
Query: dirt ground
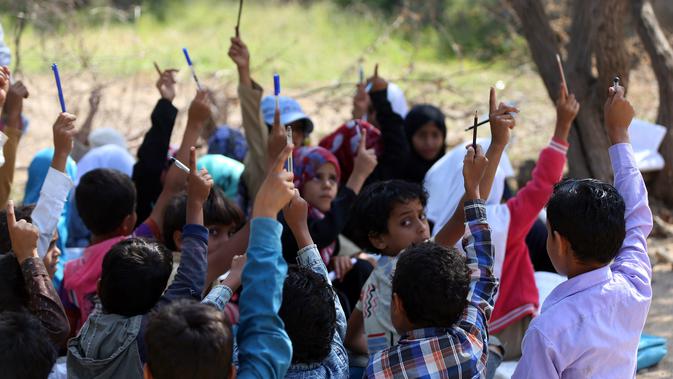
x: 127, y: 104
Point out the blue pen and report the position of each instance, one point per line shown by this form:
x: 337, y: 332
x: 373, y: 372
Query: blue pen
x: 276, y: 87
x: 191, y: 67
x: 57, y: 77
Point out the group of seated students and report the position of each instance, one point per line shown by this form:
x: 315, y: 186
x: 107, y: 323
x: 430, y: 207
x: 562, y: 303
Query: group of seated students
x: 247, y: 267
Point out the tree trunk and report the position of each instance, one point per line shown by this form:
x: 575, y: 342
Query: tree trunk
x: 661, y: 55
x: 597, y: 27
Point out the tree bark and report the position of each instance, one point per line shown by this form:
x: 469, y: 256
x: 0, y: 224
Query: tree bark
x: 661, y: 55
x: 597, y: 28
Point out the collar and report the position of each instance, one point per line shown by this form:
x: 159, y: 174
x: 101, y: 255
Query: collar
x: 577, y: 284
x: 421, y: 333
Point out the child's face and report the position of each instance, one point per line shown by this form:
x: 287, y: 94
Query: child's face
x: 298, y: 134
x: 219, y: 234
x: 322, y: 189
x: 407, y: 226
x: 51, y: 259
x: 428, y: 141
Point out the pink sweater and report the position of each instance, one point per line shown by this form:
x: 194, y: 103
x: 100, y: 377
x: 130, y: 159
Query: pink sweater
x: 518, y: 292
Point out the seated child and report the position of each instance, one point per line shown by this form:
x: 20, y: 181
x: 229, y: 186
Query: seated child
x: 133, y: 278
x: 264, y: 349
x: 26, y: 348
x: 442, y: 300
x: 311, y: 311
x: 590, y: 325
x: 317, y: 175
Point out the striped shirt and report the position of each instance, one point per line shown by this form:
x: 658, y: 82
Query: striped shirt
x: 461, y: 350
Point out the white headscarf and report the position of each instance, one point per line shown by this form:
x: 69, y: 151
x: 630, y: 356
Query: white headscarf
x: 444, y: 184
x: 397, y: 100
x: 107, y: 156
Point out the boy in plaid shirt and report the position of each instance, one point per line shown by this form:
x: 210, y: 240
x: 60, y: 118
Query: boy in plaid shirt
x: 442, y: 301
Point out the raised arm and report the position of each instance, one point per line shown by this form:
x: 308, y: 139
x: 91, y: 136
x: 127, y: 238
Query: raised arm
x: 256, y: 133
x: 11, y: 103
x: 81, y: 143
x: 478, y: 250
x: 153, y: 151
x: 220, y: 294
x: 57, y: 184
x: 265, y: 350
x: 632, y: 259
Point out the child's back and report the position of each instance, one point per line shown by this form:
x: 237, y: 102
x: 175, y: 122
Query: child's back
x: 590, y: 325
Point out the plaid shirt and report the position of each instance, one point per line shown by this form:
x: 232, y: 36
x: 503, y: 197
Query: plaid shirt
x: 461, y: 350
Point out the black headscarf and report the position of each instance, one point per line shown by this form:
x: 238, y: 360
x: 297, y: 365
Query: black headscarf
x: 417, y: 117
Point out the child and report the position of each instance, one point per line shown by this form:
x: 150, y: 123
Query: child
x: 426, y: 132
x: 517, y: 300
x: 264, y: 349
x: 26, y: 349
x: 311, y: 311
x: 133, y: 278
x: 591, y: 324
x: 441, y: 301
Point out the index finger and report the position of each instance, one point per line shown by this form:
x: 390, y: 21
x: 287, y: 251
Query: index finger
x: 376, y: 70
x: 280, y: 159
x: 11, y: 218
x: 192, y: 160
x: 492, y: 101
x: 363, y: 141
x: 156, y: 67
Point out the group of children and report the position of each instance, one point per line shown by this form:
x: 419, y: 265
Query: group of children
x: 375, y: 254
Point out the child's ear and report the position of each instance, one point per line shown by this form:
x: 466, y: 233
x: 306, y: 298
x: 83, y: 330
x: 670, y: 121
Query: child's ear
x: 177, y: 239
x: 147, y: 374
x: 128, y: 224
x: 378, y: 241
x: 563, y: 244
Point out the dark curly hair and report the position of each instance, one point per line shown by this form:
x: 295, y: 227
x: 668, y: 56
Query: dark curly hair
x: 433, y: 283
x: 135, y: 274
x: 187, y: 339
x: 371, y: 209
x: 590, y: 215
x: 309, y: 314
x: 27, y: 351
x: 104, y: 198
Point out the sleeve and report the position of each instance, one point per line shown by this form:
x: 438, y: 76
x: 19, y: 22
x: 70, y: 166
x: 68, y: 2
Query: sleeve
x: 479, y: 256
x: 531, y: 199
x: 191, y: 276
x: 538, y: 357
x: 396, y: 148
x: 49, y: 207
x: 5, y: 54
x: 152, y: 155
x: 7, y: 169
x: 218, y: 297
x: 256, y: 135
x: 43, y: 301
x: 309, y: 257
x: 632, y: 259
x: 265, y: 350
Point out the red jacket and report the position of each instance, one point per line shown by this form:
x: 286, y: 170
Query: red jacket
x: 518, y: 293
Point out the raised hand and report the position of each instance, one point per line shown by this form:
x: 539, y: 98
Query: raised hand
x: 233, y: 280
x: 501, y: 120
x: 277, y: 139
x: 199, y: 183
x: 23, y: 235
x: 238, y: 52
x: 361, y: 102
x: 567, y: 108
x: 365, y: 159
x: 166, y: 84
x: 199, y: 110
x: 474, y: 166
x: 16, y: 93
x: 64, y: 135
x: 4, y: 84
x: 296, y: 214
x: 618, y: 113
x: 377, y: 82
x: 276, y: 190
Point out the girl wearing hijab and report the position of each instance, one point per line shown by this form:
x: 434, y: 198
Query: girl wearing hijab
x: 426, y: 132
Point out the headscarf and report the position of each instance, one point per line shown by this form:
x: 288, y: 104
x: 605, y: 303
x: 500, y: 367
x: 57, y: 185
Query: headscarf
x: 106, y: 136
x: 307, y: 161
x: 344, y: 141
x: 419, y: 116
x: 397, y: 100
x: 444, y: 184
x: 228, y: 142
x: 225, y: 171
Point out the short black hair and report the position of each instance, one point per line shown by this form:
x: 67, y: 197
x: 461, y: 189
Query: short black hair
x: 371, y: 209
x: 104, y: 199
x: 27, y: 351
x: 309, y: 314
x: 590, y: 215
x: 187, y: 339
x: 23, y: 212
x: 433, y: 283
x: 217, y: 210
x: 135, y: 274
x: 13, y: 293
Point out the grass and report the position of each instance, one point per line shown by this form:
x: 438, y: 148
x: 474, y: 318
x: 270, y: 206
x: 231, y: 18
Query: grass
x: 306, y: 44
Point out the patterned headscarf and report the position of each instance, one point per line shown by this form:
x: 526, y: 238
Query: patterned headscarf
x: 344, y: 141
x: 307, y: 161
x: 228, y: 142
